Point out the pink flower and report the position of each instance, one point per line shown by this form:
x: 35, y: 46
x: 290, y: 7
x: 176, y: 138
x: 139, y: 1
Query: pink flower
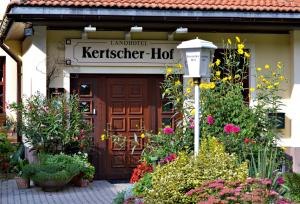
x: 210, y: 120
x: 236, y: 129
x: 192, y: 126
x: 168, y: 130
x: 228, y: 128
x: 280, y: 180
x: 231, y: 128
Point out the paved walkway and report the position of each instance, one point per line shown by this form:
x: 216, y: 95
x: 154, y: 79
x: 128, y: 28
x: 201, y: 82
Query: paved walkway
x: 98, y: 192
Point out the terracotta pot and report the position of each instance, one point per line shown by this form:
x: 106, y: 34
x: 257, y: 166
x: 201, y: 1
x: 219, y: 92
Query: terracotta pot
x: 79, y: 181
x: 22, y: 182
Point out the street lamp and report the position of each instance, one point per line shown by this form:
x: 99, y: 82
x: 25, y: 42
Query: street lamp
x: 197, y: 54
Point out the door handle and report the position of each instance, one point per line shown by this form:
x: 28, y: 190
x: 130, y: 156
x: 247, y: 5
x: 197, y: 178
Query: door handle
x: 94, y: 112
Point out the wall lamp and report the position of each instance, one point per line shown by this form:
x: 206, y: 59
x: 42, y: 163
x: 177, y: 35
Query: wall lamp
x: 86, y: 30
x: 89, y: 29
x: 28, y: 30
x: 179, y: 30
x: 133, y: 29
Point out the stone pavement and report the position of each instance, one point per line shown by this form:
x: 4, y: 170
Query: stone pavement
x: 98, y: 192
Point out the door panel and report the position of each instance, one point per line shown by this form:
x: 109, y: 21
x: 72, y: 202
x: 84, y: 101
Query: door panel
x: 119, y: 105
x: 127, y: 108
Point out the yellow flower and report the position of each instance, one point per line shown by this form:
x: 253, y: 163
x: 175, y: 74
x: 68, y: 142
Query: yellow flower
x: 179, y: 66
x: 103, y: 137
x: 270, y: 87
x: 247, y: 55
x: 252, y: 89
x: 229, y: 41
x: 224, y: 79
x: 190, y: 81
x: 241, y: 46
x: 273, y: 74
x: 193, y: 112
x: 261, y: 77
x: 279, y: 65
x: 258, y: 86
x: 230, y: 77
x: 240, y: 51
x: 237, y: 76
x: 267, y: 66
x: 212, y: 85
x: 202, y: 86
x: 276, y: 84
x: 266, y: 81
x: 178, y: 100
x: 218, y: 62
x: 258, y: 69
x: 283, y: 148
x: 237, y: 39
x: 178, y: 83
x: 218, y: 73
x: 142, y: 135
x: 210, y: 64
x: 281, y: 78
x: 188, y: 90
x: 169, y: 70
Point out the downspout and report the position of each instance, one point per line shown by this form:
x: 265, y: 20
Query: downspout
x: 18, y: 60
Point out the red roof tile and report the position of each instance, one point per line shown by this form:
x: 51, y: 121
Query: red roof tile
x: 243, y: 5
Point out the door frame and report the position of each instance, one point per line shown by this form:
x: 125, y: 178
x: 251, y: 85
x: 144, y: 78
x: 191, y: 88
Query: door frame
x: 101, y: 152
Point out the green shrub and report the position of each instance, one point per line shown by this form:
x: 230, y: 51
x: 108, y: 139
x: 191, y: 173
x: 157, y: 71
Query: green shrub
x: 53, y: 167
x: 54, y: 125
x: 119, y: 199
x: 171, y: 181
x: 143, y: 185
x: 292, y: 181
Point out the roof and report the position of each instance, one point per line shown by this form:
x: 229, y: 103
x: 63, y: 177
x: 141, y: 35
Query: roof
x: 225, y: 5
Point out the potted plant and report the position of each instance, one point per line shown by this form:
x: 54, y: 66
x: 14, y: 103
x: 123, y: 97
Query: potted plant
x: 87, y: 173
x: 21, y: 180
x: 53, y: 172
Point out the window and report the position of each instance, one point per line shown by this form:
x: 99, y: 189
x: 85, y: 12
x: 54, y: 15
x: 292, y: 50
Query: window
x: 219, y: 53
x: 2, y: 84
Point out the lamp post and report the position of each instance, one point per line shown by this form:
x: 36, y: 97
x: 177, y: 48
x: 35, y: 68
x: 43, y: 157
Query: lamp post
x: 197, y: 54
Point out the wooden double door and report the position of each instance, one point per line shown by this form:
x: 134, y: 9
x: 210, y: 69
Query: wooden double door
x: 122, y: 107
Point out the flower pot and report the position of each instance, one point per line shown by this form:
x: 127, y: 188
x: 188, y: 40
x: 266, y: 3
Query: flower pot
x: 22, y: 183
x: 79, y: 181
x: 52, y: 186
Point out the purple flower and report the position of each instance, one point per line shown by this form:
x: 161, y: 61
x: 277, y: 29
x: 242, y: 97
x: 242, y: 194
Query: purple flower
x: 168, y: 130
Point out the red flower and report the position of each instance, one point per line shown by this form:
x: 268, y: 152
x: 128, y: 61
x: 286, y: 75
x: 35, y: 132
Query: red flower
x: 247, y: 140
x: 140, y: 171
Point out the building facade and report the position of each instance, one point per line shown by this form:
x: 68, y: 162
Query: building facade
x: 117, y: 68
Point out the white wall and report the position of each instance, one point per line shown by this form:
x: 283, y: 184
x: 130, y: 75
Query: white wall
x: 10, y: 79
x: 34, y: 62
x: 3, y: 5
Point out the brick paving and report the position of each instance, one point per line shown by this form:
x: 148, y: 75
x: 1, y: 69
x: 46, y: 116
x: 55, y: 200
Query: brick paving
x: 98, y: 192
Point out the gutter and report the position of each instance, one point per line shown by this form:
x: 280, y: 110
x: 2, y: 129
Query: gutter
x: 15, y: 12
x: 18, y: 60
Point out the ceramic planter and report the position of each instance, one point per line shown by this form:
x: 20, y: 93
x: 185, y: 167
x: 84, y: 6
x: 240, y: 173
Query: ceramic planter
x: 22, y: 183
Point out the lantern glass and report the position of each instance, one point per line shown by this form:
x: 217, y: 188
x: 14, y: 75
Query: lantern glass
x: 197, y: 55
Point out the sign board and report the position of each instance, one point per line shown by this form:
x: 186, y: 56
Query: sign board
x: 93, y: 52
